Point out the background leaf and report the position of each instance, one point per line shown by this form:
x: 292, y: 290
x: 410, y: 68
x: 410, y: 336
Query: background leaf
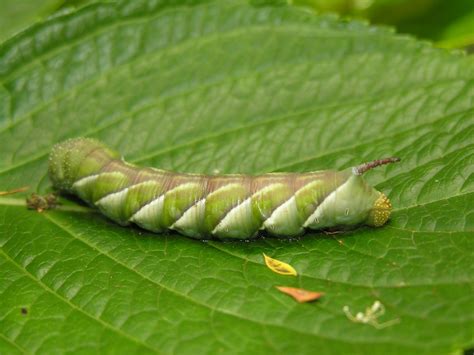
x: 448, y: 23
x: 460, y: 33
x: 236, y: 88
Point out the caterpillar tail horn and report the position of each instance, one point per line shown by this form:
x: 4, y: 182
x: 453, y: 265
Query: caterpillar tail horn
x: 382, y: 207
x: 362, y: 168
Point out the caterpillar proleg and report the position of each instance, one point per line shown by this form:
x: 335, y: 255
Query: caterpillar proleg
x: 216, y: 206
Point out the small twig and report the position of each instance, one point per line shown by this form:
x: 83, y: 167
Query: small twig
x: 14, y: 191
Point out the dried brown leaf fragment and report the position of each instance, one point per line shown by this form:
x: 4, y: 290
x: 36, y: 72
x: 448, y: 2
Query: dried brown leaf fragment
x: 300, y: 294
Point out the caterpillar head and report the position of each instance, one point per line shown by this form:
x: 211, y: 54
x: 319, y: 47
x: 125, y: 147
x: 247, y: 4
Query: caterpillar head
x: 380, y: 212
x: 76, y: 158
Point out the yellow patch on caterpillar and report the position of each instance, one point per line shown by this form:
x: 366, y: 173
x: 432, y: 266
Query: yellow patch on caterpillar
x: 380, y: 212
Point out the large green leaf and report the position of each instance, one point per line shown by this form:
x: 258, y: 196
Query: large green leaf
x: 16, y: 15
x: 236, y: 88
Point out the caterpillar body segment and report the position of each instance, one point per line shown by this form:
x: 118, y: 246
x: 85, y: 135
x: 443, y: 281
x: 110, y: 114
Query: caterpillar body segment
x: 222, y: 207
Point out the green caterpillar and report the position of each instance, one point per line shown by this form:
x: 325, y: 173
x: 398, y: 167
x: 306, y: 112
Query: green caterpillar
x: 228, y: 206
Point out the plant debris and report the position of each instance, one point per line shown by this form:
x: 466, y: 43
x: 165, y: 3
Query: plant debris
x: 41, y: 203
x: 279, y: 266
x: 300, y: 294
x: 370, y: 316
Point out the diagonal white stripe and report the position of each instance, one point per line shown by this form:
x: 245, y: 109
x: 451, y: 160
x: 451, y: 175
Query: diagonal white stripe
x: 198, y: 208
x: 330, y: 199
x: 243, y: 209
x: 113, y: 199
x: 235, y: 216
x: 84, y: 181
x: 148, y: 213
x: 193, y: 214
x: 156, y: 205
x: 284, y: 211
x: 119, y: 196
x: 92, y: 178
